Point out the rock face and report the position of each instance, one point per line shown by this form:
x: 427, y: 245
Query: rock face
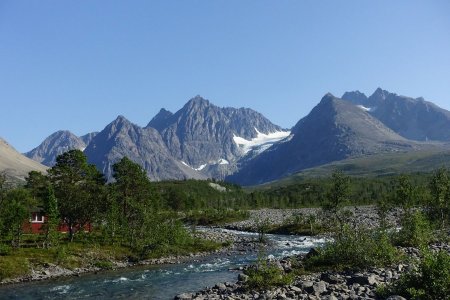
x: 334, y: 130
x: 15, y: 165
x: 414, y: 119
x: 87, y: 138
x: 142, y: 145
x: 56, y: 144
x: 211, y: 139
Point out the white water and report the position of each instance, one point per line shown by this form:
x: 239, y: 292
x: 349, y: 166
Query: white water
x: 157, y: 282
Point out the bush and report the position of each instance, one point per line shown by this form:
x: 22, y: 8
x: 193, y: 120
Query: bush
x: 355, y: 248
x: 430, y: 281
x: 266, y: 274
x: 416, y: 231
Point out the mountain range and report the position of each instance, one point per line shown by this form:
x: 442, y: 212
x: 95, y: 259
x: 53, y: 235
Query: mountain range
x: 202, y: 140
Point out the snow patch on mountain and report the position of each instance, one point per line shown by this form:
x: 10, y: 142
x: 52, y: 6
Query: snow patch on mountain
x: 365, y: 108
x: 260, y: 140
x: 223, y: 162
x: 200, y: 168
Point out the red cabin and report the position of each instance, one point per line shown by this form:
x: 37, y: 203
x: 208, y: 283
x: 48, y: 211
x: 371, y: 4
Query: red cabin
x: 38, y: 219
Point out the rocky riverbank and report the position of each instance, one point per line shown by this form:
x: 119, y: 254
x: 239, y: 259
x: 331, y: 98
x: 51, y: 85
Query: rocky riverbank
x: 361, y: 215
x: 323, y: 285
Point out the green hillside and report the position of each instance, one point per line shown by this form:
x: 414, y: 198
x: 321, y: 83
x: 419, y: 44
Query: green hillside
x: 372, y: 166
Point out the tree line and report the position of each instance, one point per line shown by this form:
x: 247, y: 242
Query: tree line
x: 141, y: 214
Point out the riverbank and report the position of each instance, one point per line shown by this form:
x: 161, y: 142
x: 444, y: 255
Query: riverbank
x: 40, y: 269
x: 362, y: 215
x: 319, y: 285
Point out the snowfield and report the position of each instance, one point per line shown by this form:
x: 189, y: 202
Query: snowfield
x: 260, y: 140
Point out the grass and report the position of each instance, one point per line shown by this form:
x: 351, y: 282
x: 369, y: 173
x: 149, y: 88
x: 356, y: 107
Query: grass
x: 11, y: 267
x: 194, y: 246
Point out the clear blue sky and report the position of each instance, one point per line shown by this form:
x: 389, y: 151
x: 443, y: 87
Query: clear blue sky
x: 76, y: 65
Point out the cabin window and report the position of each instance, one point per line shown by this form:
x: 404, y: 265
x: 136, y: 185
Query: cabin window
x: 37, y: 218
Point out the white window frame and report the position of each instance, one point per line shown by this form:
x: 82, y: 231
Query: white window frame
x: 35, y: 218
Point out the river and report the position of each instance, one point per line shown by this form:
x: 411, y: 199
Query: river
x: 156, y: 282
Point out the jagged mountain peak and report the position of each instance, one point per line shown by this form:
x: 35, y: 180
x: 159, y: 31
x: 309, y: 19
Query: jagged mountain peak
x: 328, y: 97
x: 121, y: 120
x: 164, y: 111
x: 55, y: 144
x: 161, y: 120
x: 355, y: 97
x: 202, y: 134
x: 144, y: 146
x: 380, y: 94
x: 198, y: 101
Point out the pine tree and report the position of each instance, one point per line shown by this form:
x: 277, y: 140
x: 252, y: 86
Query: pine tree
x: 52, y: 219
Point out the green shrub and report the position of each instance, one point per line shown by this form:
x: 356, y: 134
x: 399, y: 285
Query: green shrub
x: 416, y: 231
x: 430, y: 281
x: 60, y: 254
x: 266, y: 274
x: 355, y: 248
x: 4, y: 249
x: 104, y: 264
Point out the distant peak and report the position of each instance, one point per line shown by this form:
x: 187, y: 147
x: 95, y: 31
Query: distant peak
x: 328, y: 97
x: 160, y: 121
x: 380, y: 93
x: 198, y: 100
x: 121, y: 119
x: 61, y: 134
x: 354, y: 94
x: 355, y: 97
x: 164, y: 111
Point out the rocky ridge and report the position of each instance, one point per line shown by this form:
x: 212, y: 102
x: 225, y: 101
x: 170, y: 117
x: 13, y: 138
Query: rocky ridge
x: 412, y: 118
x: 334, y: 130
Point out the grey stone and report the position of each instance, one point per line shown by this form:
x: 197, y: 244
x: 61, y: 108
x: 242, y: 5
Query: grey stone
x: 320, y: 287
x: 184, y: 296
x: 395, y: 297
x: 221, y: 287
x: 330, y: 278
